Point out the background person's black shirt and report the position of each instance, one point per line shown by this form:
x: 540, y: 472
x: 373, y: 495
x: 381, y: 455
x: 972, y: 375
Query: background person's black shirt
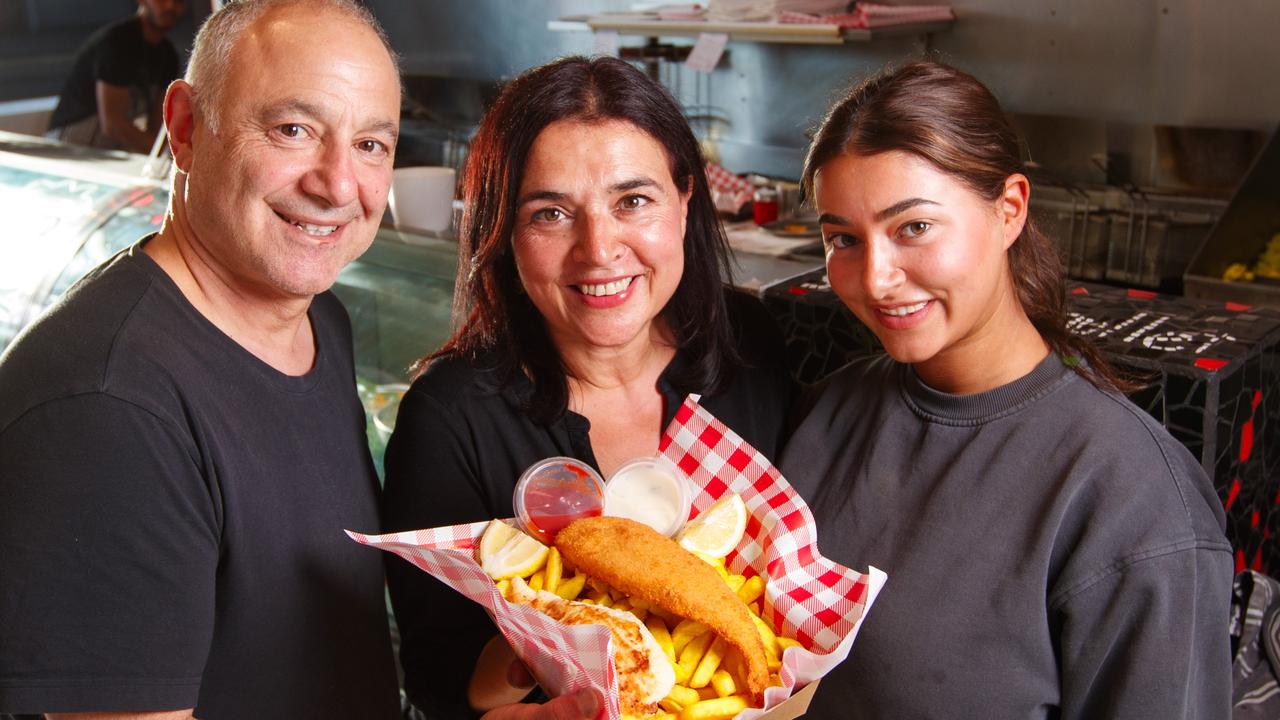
x: 117, y: 54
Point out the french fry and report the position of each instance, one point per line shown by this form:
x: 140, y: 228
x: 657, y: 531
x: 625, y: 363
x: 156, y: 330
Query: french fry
x: 715, y: 709
x: 504, y: 587
x: 710, y: 559
x: 706, y: 693
x: 723, y: 683
x: 785, y: 642
x: 735, y: 581
x: 768, y: 638
x: 752, y: 589
x: 639, y: 603
x: 768, y: 620
x: 670, y: 619
x: 709, y: 663
x: 570, y: 588
x: 555, y: 570
x: 685, y: 631
x: 684, y: 696
x: 682, y: 673
x: 775, y: 680
x: 600, y: 598
x: 692, y: 653
x: 538, y: 580
x: 658, y: 629
x: 671, y: 706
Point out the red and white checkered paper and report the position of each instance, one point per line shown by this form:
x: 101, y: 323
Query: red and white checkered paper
x: 731, y: 191
x: 818, y: 602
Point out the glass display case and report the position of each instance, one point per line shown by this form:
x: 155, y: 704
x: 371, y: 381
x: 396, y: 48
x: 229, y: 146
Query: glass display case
x: 70, y: 209
x: 57, y: 200
x: 399, y: 295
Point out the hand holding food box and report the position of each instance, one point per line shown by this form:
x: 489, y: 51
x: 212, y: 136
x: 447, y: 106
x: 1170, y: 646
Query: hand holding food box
x: 643, y: 589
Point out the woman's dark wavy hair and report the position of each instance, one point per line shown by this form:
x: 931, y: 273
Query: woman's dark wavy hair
x: 948, y: 118
x: 496, y: 322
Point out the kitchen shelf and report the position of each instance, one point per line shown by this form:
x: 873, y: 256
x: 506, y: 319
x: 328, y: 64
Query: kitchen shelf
x: 767, y: 32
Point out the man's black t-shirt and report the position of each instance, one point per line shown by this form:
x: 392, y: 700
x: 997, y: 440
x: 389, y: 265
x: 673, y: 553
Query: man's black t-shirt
x: 116, y: 54
x: 172, y: 512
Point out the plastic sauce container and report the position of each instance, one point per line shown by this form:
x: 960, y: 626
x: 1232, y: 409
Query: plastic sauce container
x: 645, y: 492
x: 554, y: 492
x: 764, y: 205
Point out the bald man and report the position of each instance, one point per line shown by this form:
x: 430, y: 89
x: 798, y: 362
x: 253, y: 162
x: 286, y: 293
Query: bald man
x: 181, y: 445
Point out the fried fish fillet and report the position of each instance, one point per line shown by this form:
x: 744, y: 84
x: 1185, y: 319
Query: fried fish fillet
x: 640, y: 562
x: 645, y: 675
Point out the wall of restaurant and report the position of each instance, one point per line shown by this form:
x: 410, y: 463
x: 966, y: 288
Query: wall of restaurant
x: 1151, y: 87
x: 1150, y: 91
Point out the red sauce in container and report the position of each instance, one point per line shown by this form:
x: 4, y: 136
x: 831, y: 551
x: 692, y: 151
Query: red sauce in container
x: 553, y: 493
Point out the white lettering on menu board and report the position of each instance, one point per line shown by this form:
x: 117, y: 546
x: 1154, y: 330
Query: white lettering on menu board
x: 706, y: 52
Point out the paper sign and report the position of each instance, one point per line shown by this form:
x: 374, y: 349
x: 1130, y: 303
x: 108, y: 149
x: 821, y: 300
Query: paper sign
x: 706, y: 52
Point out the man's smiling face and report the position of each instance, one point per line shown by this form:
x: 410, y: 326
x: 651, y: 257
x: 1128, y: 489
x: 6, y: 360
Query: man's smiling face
x: 293, y: 184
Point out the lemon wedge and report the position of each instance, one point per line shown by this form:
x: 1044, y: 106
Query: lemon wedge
x: 505, y: 552
x: 496, y: 534
x: 718, y: 529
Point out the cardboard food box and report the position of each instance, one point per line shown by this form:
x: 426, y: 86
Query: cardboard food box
x: 807, y: 597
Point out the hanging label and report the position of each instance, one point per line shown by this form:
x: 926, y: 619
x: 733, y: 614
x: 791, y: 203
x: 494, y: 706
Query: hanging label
x: 706, y: 52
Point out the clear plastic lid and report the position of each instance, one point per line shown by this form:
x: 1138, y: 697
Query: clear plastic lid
x: 554, y: 492
x: 646, y: 492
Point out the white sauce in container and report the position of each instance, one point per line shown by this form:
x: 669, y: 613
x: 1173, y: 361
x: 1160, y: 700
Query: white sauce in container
x: 646, y: 493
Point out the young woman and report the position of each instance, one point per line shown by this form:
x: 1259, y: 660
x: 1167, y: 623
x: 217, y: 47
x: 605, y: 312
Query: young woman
x: 1052, y: 552
x: 591, y: 302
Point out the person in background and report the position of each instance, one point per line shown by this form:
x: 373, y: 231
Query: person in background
x: 181, y: 443
x: 1052, y: 551
x: 118, y: 78
x: 591, y: 300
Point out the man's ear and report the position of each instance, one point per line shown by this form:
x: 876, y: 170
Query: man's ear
x: 180, y: 122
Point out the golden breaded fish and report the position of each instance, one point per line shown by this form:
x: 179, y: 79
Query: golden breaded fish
x: 637, y: 560
x: 645, y: 675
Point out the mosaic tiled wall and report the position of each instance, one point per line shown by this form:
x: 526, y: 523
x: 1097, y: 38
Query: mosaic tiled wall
x: 1213, y: 372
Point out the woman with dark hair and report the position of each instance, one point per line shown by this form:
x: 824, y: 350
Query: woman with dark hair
x: 1052, y: 552
x: 590, y: 300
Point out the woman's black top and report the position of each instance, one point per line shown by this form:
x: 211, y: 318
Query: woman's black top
x: 462, y: 440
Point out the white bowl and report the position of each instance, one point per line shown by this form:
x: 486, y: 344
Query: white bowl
x: 422, y: 197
